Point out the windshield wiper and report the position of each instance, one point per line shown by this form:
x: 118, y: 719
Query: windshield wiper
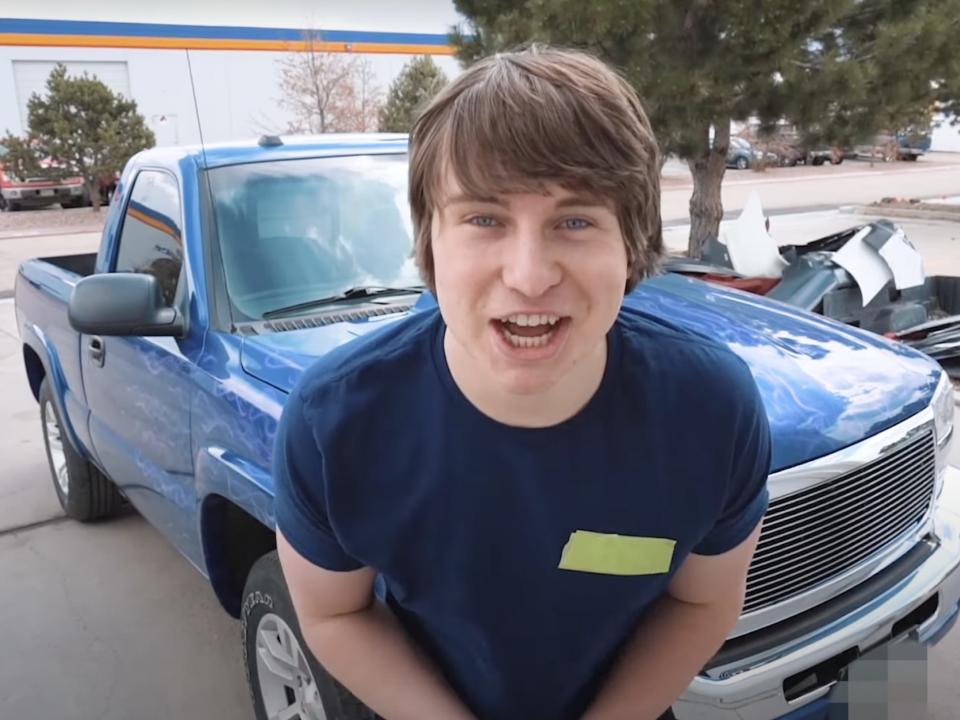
x: 355, y: 293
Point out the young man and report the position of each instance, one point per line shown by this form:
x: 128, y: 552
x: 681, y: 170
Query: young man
x: 561, y: 495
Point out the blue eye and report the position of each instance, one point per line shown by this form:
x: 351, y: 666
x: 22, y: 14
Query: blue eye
x: 484, y: 221
x: 576, y: 224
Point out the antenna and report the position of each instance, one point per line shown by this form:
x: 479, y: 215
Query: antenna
x: 196, y: 108
x: 208, y: 188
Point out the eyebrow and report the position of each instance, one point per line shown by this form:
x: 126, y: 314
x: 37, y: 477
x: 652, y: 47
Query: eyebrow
x: 582, y: 201
x: 467, y: 198
x: 571, y: 201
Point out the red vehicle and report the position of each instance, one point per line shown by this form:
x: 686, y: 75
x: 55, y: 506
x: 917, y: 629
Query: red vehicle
x: 17, y: 193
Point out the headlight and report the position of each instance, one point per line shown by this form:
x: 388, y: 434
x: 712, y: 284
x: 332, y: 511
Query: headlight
x: 943, y: 406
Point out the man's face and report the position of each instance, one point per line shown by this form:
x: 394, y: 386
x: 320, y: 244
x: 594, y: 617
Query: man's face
x: 528, y: 283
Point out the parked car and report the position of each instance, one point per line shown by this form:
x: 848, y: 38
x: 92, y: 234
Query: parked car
x: 741, y: 154
x: 18, y: 193
x: 161, y: 365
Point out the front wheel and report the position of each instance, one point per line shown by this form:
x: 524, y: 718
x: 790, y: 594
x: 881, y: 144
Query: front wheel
x: 284, y: 678
x: 742, y: 163
x: 85, y: 494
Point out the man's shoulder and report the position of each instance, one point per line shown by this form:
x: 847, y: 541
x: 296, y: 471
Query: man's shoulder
x: 377, y: 360
x: 679, y: 357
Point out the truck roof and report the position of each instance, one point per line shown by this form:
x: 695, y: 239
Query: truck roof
x: 274, y: 147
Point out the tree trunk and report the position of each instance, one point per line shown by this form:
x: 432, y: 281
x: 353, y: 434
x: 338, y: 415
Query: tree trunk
x: 93, y: 190
x: 706, y: 205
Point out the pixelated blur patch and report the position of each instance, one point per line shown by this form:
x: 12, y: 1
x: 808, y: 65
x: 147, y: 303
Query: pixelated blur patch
x: 609, y: 554
x: 887, y: 683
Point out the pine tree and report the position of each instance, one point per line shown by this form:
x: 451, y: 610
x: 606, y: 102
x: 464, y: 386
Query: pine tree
x: 839, y: 69
x: 81, y: 128
x: 418, y: 81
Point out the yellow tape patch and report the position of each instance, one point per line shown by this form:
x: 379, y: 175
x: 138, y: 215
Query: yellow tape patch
x: 607, y: 554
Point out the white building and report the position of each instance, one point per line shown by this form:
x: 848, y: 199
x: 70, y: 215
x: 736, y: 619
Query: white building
x: 147, y: 50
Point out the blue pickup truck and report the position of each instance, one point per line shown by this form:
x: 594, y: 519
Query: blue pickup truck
x: 161, y: 365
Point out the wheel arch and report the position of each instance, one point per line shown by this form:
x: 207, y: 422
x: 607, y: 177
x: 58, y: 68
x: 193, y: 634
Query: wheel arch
x: 236, y: 522
x: 41, y: 362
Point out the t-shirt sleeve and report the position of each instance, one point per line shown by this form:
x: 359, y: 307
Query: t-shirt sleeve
x: 300, y: 486
x: 747, y: 497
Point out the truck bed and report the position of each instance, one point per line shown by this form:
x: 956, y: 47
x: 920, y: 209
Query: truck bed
x: 82, y: 265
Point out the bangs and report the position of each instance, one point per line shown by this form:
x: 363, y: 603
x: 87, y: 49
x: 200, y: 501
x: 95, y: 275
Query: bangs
x: 517, y: 132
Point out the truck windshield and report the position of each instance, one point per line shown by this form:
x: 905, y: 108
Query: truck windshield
x: 292, y: 231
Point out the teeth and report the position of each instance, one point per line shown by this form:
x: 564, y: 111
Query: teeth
x: 531, y: 320
x: 528, y: 342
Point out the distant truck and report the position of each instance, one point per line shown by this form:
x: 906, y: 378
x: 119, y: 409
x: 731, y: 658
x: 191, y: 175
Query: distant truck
x: 18, y: 193
x: 901, y: 145
x: 161, y: 365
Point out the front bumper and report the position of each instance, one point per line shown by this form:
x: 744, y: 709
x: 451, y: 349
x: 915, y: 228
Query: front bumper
x: 754, y: 690
x: 42, y: 196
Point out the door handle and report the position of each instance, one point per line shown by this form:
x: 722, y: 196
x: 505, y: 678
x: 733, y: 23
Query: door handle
x: 97, y: 350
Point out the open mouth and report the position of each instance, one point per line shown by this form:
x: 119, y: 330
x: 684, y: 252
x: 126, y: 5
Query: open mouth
x: 530, y: 331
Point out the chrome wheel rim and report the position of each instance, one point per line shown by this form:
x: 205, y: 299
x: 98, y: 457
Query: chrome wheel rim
x: 55, y: 443
x: 287, y: 686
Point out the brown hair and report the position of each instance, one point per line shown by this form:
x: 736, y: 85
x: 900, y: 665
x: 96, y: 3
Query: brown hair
x: 515, y: 121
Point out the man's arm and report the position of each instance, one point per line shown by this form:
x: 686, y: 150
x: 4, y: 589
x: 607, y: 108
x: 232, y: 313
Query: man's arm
x: 359, y: 641
x: 684, y: 629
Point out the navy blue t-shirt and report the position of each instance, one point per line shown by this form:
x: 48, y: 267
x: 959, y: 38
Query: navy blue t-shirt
x: 382, y: 462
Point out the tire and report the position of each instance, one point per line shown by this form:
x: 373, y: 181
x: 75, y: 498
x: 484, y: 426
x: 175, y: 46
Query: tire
x: 85, y: 493
x: 742, y: 163
x: 75, y: 203
x: 267, y: 615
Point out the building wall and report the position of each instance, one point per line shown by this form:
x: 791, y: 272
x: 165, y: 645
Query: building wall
x: 945, y: 137
x: 233, y: 51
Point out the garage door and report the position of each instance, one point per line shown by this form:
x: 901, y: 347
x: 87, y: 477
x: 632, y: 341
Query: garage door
x: 31, y: 76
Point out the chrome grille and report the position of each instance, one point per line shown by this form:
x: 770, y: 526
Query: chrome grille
x: 821, y: 532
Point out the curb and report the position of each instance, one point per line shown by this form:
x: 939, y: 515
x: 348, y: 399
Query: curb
x: 46, y: 232
x: 877, y: 211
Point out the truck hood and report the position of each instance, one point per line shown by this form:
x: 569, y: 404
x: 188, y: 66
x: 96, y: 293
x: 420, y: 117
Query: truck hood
x: 825, y: 385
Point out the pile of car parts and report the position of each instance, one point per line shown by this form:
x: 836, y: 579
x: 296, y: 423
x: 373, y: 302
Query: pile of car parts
x: 868, y: 276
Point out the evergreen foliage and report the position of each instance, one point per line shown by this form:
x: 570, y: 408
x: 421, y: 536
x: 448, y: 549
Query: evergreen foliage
x: 412, y: 89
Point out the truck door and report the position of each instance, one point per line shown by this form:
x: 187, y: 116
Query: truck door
x: 138, y: 388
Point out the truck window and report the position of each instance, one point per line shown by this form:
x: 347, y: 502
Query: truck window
x: 151, y: 240
x: 295, y: 230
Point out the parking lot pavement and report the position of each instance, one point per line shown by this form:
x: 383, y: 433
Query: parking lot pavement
x: 108, y: 622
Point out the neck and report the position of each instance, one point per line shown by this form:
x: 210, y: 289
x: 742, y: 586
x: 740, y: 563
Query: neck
x: 550, y: 407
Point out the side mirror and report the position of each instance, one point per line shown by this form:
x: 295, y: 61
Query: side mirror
x: 122, y: 304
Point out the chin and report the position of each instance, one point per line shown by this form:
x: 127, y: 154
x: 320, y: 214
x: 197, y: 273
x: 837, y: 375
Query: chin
x: 524, y: 381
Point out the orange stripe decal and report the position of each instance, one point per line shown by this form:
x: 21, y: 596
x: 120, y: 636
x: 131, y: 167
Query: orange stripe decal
x: 120, y: 41
x: 154, y: 223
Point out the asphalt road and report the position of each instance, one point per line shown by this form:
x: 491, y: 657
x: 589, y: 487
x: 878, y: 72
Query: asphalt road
x: 827, y: 186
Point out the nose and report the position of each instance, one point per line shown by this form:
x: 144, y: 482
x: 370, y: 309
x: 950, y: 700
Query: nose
x: 530, y: 264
